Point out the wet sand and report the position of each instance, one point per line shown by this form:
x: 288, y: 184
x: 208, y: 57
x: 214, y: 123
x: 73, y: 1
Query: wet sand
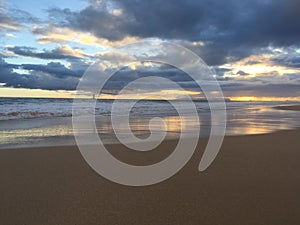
x: 288, y: 107
x: 254, y: 180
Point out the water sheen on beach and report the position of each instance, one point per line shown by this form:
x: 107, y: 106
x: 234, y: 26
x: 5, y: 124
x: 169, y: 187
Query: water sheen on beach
x: 46, y: 122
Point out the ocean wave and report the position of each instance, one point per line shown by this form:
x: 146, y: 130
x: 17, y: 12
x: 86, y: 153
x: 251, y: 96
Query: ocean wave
x: 32, y: 114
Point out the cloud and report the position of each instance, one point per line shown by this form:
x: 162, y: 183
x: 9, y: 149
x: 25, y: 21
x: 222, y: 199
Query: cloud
x: 242, y: 73
x: 14, y: 19
x: 221, y: 71
x: 290, y: 58
x: 54, y: 68
x: 55, y: 34
x: 9, y: 35
x: 8, y: 24
x: 262, y: 65
x: 253, y: 45
x: 233, y: 28
x: 52, y: 76
x: 263, y: 90
x: 56, y: 76
x: 61, y: 52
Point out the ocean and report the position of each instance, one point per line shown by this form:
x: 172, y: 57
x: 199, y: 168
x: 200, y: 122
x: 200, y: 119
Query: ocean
x: 27, y: 122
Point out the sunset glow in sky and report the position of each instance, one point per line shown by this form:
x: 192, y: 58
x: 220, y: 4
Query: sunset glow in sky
x: 253, y: 45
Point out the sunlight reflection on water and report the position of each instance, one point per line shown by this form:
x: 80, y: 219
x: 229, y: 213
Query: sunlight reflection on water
x: 242, y: 119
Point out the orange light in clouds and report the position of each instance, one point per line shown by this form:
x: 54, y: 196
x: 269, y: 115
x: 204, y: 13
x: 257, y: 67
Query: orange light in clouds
x: 165, y: 94
x: 34, y: 93
x: 38, y: 93
x: 263, y: 98
x: 158, y: 95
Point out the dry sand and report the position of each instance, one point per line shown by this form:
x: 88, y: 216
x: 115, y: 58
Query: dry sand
x: 254, y: 180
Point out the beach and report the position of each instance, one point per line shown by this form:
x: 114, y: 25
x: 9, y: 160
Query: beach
x: 149, y: 112
x: 254, y: 180
x: 289, y: 107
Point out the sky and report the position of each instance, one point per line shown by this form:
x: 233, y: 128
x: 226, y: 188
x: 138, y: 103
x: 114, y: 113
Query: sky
x: 252, y: 45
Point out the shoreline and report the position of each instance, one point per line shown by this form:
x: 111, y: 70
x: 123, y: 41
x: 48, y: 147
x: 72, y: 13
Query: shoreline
x: 57, y: 131
x: 73, y: 145
x: 253, y: 180
x: 288, y: 107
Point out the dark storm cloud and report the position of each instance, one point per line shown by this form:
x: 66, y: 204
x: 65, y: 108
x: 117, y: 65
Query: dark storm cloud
x: 55, y: 76
x: 220, y: 71
x: 271, y: 90
x: 230, y: 30
x: 233, y: 28
x: 126, y: 75
x: 54, y: 68
x: 252, y: 62
x: 38, y: 80
x: 5, y: 68
x: 48, y: 77
x: 31, y: 52
x: 242, y: 73
x: 288, y: 60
